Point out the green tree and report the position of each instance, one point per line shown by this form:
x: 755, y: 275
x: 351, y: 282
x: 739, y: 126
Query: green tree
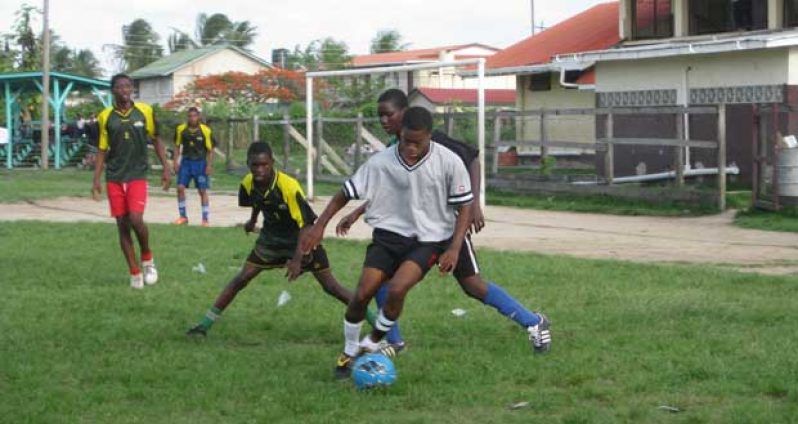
x: 323, y: 54
x: 28, y: 57
x: 219, y: 29
x: 389, y: 40
x: 140, y: 46
x: 179, y: 40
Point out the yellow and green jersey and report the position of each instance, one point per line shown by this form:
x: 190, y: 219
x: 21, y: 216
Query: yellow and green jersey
x: 196, y: 142
x: 283, y: 206
x: 124, y: 138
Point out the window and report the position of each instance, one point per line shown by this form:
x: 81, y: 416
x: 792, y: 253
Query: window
x: 652, y: 19
x: 540, y: 82
x: 714, y: 16
x: 791, y: 13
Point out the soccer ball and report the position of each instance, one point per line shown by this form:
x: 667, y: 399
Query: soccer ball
x: 373, y: 370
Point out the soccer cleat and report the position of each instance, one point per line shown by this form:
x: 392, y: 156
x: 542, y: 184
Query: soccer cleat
x: 181, y: 221
x: 150, y: 273
x: 197, y: 330
x: 539, y: 335
x: 398, y: 347
x: 205, y: 223
x: 137, y: 281
x: 343, y: 367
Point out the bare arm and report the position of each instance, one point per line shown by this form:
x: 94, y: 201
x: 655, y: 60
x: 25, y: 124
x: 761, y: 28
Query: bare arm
x: 349, y: 220
x: 166, y: 178
x: 99, y: 164
x: 310, y: 239
x: 477, y: 217
x: 253, y: 220
x: 448, y: 260
x: 176, y: 159
x: 209, y: 162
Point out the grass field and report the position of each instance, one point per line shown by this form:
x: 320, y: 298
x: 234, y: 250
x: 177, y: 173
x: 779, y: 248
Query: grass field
x: 77, y: 345
x: 785, y: 220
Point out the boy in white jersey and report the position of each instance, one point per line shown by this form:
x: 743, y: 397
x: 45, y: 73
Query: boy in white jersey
x: 418, y: 194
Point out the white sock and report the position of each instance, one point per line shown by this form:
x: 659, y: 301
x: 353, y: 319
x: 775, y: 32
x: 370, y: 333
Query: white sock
x: 351, y: 336
x: 383, y: 324
x: 151, y: 262
x: 369, y: 345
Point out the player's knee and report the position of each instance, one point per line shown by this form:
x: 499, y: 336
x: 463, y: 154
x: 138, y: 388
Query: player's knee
x: 473, y: 287
x: 397, y: 292
x: 136, y: 220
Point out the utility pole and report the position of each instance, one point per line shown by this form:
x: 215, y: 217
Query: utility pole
x: 532, y: 14
x: 46, y: 88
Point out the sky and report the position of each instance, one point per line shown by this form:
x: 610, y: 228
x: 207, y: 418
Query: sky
x: 422, y: 23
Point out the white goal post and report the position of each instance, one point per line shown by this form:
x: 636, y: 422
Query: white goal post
x: 479, y: 62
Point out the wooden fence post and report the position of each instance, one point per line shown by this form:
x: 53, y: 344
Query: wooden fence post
x: 679, y: 159
x: 497, y: 138
x: 544, y: 151
x: 609, y: 160
x: 722, y: 157
x: 255, y: 128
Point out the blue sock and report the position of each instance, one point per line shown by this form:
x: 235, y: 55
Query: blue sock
x: 206, y: 210
x: 509, y: 307
x: 393, y: 336
x: 181, y: 206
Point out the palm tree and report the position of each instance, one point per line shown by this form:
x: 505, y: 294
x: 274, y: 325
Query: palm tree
x: 387, y: 41
x: 140, y: 46
x: 85, y: 63
x: 213, y: 30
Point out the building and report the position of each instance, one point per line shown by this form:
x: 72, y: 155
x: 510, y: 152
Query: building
x: 542, y: 82
x: 448, y: 78
x: 161, y: 80
x: 438, y: 100
x: 741, y: 53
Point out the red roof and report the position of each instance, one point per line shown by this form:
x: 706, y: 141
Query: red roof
x: 418, y: 55
x: 593, y: 29
x: 465, y: 95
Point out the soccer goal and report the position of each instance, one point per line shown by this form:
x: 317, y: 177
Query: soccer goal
x: 340, y: 161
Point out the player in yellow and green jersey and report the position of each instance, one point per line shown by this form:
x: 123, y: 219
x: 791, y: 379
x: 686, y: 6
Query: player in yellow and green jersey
x: 193, y: 161
x: 279, y: 198
x: 125, y: 130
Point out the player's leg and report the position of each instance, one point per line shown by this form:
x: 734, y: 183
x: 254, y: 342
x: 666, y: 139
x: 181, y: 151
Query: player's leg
x: 136, y: 202
x: 318, y: 263
x: 119, y: 210
x: 203, y: 183
x: 394, y: 336
x: 247, y: 273
x: 491, y: 294
x: 183, y: 180
x: 370, y: 281
x: 405, y: 278
x: 126, y: 243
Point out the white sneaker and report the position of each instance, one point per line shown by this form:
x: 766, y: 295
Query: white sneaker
x: 137, y: 281
x: 150, y: 273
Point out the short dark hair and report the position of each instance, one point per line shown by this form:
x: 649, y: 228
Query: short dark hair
x: 257, y: 148
x: 118, y: 77
x: 394, y: 96
x: 417, y: 118
x: 193, y: 109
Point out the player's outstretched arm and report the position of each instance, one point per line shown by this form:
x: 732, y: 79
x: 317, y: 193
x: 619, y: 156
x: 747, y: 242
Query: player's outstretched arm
x: 349, y: 220
x: 253, y: 221
x: 99, y: 164
x: 448, y: 260
x: 308, y: 240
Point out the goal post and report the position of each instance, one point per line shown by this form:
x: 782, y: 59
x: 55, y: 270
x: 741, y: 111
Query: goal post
x: 480, y: 129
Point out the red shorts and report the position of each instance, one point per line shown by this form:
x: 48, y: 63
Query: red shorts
x: 127, y: 197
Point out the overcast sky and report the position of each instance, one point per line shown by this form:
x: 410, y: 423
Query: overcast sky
x: 423, y: 23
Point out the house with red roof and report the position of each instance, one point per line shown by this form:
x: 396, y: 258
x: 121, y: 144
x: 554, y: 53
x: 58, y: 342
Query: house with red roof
x: 441, y: 78
x: 542, y: 82
x: 440, y: 99
x: 740, y: 53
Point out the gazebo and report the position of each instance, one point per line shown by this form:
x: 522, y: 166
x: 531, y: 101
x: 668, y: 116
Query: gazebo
x: 15, y: 83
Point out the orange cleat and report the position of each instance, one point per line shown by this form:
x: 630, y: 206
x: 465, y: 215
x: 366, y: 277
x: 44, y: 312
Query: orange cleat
x: 181, y: 221
x: 205, y: 223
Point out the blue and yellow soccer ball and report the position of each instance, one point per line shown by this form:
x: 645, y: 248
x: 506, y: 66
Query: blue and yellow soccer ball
x: 373, y: 370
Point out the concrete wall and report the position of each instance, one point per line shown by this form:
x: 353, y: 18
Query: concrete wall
x: 154, y: 90
x: 747, y: 68
x: 559, y: 128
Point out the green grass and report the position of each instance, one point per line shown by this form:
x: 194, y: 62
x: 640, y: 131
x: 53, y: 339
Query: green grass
x: 77, y: 345
x: 785, y: 220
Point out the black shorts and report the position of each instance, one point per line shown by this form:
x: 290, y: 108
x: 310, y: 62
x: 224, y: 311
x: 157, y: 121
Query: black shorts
x: 388, y: 250
x: 266, y: 257
x: 467, y: 265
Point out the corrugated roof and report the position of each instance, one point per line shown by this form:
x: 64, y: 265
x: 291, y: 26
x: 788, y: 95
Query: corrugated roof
x: 594, y: 29
x: 169, y: 64
x: 417, y: 55
x: 465, y: 95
